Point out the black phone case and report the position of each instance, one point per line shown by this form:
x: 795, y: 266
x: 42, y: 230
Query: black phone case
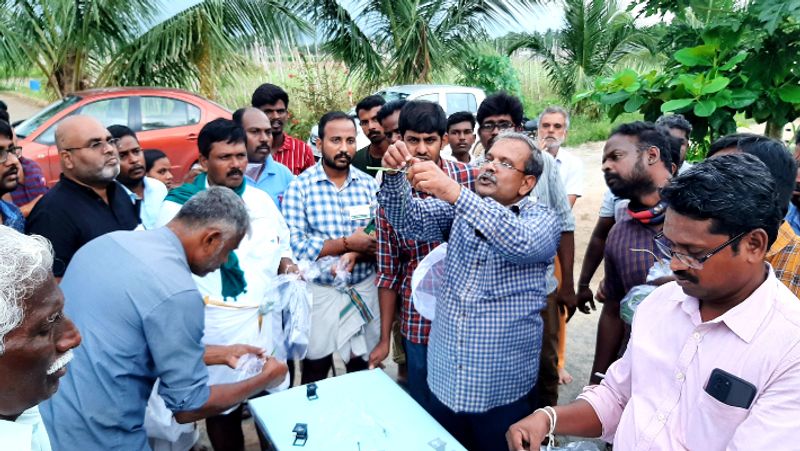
x: 731, y: 390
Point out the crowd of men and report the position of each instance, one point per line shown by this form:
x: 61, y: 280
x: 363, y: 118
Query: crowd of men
x: 153, y: 289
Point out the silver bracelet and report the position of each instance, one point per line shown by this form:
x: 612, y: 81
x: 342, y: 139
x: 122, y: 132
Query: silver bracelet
x: 552, y: 417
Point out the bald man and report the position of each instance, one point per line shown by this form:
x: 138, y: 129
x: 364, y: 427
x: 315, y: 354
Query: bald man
x: 263, y: 172
x: 86, y: 202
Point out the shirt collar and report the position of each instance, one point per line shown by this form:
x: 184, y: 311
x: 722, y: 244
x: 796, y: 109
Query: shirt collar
x: 318, y: 174
x: 786, y: 236
x: 745, y: 319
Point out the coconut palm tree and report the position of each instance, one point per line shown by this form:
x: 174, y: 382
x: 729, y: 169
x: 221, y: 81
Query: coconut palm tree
x: 80, y: 43
x: 407, y: 41
x: 596, y: 36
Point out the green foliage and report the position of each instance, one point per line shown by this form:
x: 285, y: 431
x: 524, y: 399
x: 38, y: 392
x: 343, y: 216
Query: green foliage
x: 407, y: 41
x: 597, y: 35
x: 81, y: 44
x: 491, y: 71
x: 727, y: 65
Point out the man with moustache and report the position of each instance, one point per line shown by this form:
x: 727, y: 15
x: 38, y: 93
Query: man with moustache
x: 503, y: 112
x: 263, y: 172
x: 367, y: 110
x: 389, y: 118
x: 460, y: 137
x: 714, y: 358
x: 289, y: 151
x: 485, y: 342
x: 146, y: 193
x: 422, y: 127
x: 635, y: 167
x: 10, y: 214
x: 327, y: 208
x: 553, y: 128
x: 36, y: 338
x: 87, y: 201
x: 234, y: 294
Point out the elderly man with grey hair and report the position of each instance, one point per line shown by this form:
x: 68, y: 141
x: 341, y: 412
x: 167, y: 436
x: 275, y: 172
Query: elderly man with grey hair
x: 133, y: 294
x: 483, y: 353
x: 553, y: 128
x: 36, y: 338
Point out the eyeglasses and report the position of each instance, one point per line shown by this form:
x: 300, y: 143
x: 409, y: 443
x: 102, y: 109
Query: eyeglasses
x: 691, y: 261
x: 4, y: 153
x: 502, y: 164
x: 500, y: 126
x: 97, y: 146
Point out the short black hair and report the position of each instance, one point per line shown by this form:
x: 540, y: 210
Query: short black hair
x: 675, y: 121
x: 219, y: 130
x: 4, y: 116
x: 390, y: 107
x: 734, y: 191
x: 150, y: 158
x: 268, y: 94
x: 649, y: 135
x: 119, y: 131
x: 3, y: 106
x: 237, y: 116
x: 674, y: 145
x: 328, y: 117
x: 6, y: 130
x: 771, y: 152
x: 422, y: 116
x: 459, y: 117
x: 370, y: 102
x: 501, y: 103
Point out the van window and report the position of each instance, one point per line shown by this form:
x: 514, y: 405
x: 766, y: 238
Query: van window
x: 461, y: 101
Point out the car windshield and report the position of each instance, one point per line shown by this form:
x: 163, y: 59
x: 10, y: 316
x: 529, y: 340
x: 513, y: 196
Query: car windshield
x: 29, y: 125
x: 393, y: 95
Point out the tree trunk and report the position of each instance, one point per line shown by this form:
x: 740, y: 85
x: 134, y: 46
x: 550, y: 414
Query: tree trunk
x: 774, y: 130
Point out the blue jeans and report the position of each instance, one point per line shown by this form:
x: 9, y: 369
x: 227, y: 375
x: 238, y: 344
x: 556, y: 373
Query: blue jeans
x: 417, y: 361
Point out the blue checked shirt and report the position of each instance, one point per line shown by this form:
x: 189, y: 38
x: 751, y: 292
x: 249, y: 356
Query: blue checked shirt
x: 316, y: 211
x: 485, y: 342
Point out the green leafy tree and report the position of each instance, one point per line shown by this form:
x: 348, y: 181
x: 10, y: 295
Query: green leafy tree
x: 724, y: 60
x: 491, y: 71
x: 80, y: 44
x: 596, y: 36
x: 407, y: 41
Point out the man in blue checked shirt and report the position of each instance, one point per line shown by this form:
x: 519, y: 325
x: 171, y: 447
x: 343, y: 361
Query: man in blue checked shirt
x: 327, y: 208
x: 483, y: 353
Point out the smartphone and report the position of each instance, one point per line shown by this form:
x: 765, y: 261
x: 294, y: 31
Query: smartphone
x: 730, y: 390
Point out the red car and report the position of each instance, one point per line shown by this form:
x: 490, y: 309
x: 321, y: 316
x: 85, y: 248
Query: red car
x: 166, y: 119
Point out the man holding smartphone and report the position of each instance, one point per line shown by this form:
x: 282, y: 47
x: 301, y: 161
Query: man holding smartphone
x: 713, y: 360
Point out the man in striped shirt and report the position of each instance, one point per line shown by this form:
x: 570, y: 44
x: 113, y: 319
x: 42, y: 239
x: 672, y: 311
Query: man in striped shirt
x: 291, y: 152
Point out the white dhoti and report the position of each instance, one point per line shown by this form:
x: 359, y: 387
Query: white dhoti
x: 352, y: 327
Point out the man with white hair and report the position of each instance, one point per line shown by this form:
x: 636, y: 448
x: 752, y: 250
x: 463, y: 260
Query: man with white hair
x: 36, y: 338
x: 86, y: 202
x: 133, y: 294
x: 553, y: 127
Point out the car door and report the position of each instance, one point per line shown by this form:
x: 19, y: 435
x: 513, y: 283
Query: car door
x: 171, y: 125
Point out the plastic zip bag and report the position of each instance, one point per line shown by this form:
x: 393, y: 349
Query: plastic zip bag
x: 637, y: 294
x: 427, y: 280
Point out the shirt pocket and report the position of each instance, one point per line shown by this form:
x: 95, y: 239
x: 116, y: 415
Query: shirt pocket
x: 712, y: 424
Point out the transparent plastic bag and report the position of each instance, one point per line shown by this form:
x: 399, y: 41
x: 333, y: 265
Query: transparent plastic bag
x: 638, y: 293
x: 249, y: 365
x: 426, y: 282
x: 572, y: 446
x: 325, y: 265
x: 290, y: 296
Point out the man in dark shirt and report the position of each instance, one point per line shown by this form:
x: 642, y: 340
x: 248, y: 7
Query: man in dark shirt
x: 371, y: 155
x: 87, y: 202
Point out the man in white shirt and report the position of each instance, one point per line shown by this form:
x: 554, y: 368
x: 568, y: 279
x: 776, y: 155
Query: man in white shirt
x: 146, y: 192
x: 553, y: 127
x: 36, y: 339
x: 235, y: 295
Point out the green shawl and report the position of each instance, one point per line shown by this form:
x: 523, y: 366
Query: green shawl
x: 233, y: 283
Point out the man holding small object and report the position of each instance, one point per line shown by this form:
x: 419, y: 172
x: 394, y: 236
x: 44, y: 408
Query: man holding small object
x: 483, y: 350
x: 713, y: 360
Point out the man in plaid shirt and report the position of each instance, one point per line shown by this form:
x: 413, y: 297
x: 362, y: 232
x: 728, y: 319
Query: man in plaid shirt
x: 483, y: 354
x: 422, y: 127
